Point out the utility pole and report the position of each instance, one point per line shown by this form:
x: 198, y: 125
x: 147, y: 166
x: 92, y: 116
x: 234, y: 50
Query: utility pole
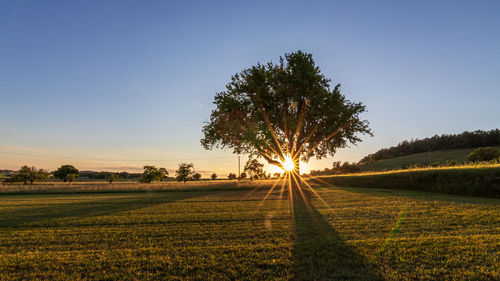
x: 239, y: 167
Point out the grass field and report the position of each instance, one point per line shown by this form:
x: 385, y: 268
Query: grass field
x: 232, y: 234
x: 440, y: 156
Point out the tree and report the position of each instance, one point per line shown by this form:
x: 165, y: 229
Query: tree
x: 253, y: 168
x: 232, y: 176
x: 112, y: 177
x: 28, y: 174
x: 483, y: 154
x: 197, y: 176
x: 243, y: 176
x: 284, y: 110
x: 277, y: 175
x: 70, y: 177
x: 65, y: 170
x: 164, y: 173
x: 151, y: 173
x: 184, y: 172
x: 213, y: 176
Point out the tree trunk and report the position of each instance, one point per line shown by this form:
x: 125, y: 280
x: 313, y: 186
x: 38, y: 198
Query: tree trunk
x: 296, y: 181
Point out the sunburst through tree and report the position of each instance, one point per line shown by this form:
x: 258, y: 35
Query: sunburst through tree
x: 285, y: 113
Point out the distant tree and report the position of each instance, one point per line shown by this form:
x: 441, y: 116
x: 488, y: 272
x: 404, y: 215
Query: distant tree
x: 243, y: 176
x: 483, y: 154
x: 151, y: 173
x: 197, y: 176
x: 70, y: 177
x: 164, y: 173
x: 349, y: 168
x: 277, y: 175
x: 232, y: 176
x: 185, y: 172
x: 112, y: 177
x: 253, y: 168
x: 213, y: 176
x: 28, y: 174
x: 65, y: 170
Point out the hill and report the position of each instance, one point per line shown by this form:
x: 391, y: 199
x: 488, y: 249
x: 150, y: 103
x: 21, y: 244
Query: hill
x: 439, y: 156
x: 436, y: 143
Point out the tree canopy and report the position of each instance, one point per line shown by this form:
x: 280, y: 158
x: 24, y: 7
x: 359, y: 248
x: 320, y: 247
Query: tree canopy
x: 197, y: 176
x: 254, y: 169
x: 284, y: 109
x: 483, y: 154
x: 185, y: 172
x: 151, y: 173
x: 66, y: 173
x: 28, y: 174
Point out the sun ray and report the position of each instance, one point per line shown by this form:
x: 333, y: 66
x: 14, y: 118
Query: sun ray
x: 306, y: 140
x: 329, y: 137
x: 393, y: 232
x: 302, y: 116
x: 282, y: 187
x: 290, y: 197
x: 267, y: 195
x: 257, y: 187
x: 292, y: 173
x: 317, y: 195
x: 270, y: 127
x: 304, y: 199
x: 285, y: 128
x: 322, y: 181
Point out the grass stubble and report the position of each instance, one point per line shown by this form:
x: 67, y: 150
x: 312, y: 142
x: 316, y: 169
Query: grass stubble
x: 231, y: 233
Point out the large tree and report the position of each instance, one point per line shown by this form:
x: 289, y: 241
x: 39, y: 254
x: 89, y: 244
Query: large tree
x: 284, y: 111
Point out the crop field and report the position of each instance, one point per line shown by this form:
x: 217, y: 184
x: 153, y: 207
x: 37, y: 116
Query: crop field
x: 234, y: 234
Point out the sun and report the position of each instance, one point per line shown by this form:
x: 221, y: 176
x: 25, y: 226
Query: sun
x: 288, y: 164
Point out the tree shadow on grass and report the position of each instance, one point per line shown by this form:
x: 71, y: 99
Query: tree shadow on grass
x: 321, y: 254
x: 48, y: 214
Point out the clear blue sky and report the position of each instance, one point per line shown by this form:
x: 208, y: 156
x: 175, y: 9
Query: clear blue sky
x: 108, y: 84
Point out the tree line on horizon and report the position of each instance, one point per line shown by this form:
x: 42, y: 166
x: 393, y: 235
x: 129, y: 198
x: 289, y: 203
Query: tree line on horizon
x: 463, y: 140
x: 478, y: 155
x: 185, y: 172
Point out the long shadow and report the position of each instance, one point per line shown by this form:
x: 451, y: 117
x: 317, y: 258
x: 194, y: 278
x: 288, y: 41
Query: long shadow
x: 321, y: 254
x: 48, y: 214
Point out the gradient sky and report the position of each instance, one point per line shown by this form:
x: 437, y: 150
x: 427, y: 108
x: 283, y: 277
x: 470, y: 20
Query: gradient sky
x: 118, y: 84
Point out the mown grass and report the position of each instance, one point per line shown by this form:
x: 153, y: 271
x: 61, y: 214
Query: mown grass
x: 439, y: 156
x: 233, y: 235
